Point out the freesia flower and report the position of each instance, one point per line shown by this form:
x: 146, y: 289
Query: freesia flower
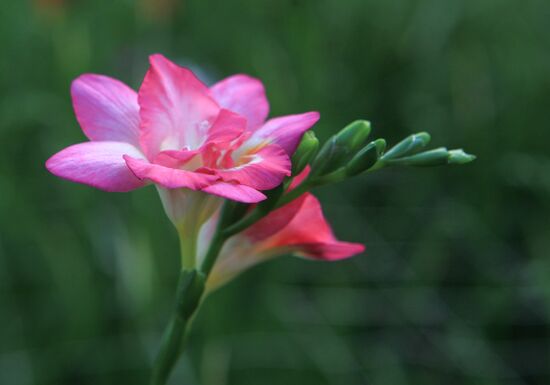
x: 198, y: 145
x: 180, y: 135
x: 297, y: 228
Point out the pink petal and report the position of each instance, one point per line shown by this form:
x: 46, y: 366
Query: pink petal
x: 275, y: 221
x: 174, y: 158
x: 286, y: 131
x: 170, y: 178
x: 330, y: 251
x: 264, y: 169
x: 309, y: 234
x: 278, y: 219
x: 227, y: 127
x: 98, y: 164
x: 176, y: 108
x: 236, y: 192
x: 244, y: 95
x: 106, y: 109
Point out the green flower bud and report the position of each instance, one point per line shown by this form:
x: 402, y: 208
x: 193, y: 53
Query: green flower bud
x: 436, y: 157
x: 306, y: 151
x: 408, y: 146
x: 341, y: 147
x: 354, y: 134
x: 366, y: 157
x: 458, y: 156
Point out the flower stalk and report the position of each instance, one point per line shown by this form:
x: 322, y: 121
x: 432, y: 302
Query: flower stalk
x: 190, y: 290
x: 189, y: 294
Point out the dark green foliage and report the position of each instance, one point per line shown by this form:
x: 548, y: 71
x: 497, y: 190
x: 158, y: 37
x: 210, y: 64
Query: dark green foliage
x: 454, y: 287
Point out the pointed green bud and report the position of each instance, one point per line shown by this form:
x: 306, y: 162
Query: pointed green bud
x: 380, y: 146
x: 436, y: 157
x: 354, y: 134
x: 306, y: 151
x: 341, y: 147
x: 408, y: 146
x: 366, y: 157
x: 458, y: 156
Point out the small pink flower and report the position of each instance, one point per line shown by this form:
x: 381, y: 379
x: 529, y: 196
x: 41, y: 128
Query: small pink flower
x: 298, y: 228
x: 179, y: 134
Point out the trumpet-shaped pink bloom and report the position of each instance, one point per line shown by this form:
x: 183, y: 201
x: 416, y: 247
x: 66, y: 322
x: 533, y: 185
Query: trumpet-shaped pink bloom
x: 177, y: 133
x: 298, y: 228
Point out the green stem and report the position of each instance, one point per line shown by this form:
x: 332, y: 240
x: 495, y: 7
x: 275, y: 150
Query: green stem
x: 296, y: 193
x: 191, y: 287
x: 190, y: 290
x: 171, y: 345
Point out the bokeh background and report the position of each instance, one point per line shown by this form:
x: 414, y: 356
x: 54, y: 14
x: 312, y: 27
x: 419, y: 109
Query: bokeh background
x: 454, y: 287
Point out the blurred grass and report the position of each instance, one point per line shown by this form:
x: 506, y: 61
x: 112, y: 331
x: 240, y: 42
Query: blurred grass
x: 454, y: 285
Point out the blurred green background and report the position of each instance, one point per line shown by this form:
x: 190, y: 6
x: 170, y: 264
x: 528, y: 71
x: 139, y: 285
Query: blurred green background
x: 454, y: 287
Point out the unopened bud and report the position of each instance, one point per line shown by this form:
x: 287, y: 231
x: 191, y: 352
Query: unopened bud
x: 354, y: 134
x: 341, y: 147
x: 306, y: 151
x: 460, y: 157
x: 366, y: 157
x: 436, y: 157
x: 408, y: 146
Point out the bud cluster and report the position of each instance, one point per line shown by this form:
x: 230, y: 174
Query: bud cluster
x: 348, y: 154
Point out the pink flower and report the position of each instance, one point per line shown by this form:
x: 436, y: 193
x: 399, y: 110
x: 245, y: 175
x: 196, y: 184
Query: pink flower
x: 177, y: 133
x: 298, y: 228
